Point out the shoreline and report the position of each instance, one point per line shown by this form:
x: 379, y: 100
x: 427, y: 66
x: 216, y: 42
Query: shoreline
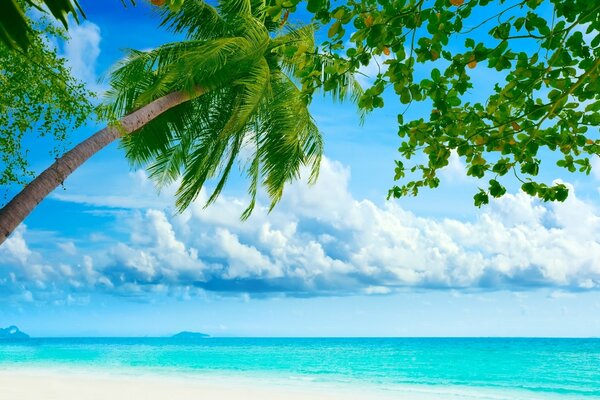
x: 27, y: 382
x: 37, y: 383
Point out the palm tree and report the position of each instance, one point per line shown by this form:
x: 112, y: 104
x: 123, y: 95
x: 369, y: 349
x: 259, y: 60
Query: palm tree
x: 196, y: 105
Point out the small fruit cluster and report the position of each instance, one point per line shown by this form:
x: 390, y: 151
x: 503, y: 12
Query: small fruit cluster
x: 174, y: 5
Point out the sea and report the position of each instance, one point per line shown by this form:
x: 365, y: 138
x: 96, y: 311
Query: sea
x: 444, y: 368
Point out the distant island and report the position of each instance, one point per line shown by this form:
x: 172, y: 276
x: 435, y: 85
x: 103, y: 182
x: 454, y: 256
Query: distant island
x: 12, y: 332
x: 190, y: 335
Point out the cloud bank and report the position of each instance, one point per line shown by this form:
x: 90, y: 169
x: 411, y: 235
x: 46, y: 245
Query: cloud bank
x: 319, y: 241
x: 82, y: 51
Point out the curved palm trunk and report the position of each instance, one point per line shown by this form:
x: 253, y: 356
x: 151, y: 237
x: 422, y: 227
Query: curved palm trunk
x: 13, y: 213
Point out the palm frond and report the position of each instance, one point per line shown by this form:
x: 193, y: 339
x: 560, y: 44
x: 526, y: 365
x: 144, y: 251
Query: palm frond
x: 251, y: 99
x: 233, y: 10
x: 129, y: 79
x: 187, y: 129
x: 197, y: 20
x: 346, y: 86
x: 288, y: 138
x: 144, y: 76
x: 254, y: 88
x: 298, y: 51
x: 204, y: 160
x: 156, y: 138
x: 254, y: 176
x: 340, y: 86
x: 303, y: 36
x: 296, y: 48
x: 250, y: 92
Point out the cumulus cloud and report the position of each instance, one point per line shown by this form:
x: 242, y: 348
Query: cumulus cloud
x: 320, y: 240
x: 81, y: 51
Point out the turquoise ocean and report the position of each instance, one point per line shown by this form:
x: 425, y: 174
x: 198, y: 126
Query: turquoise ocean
x: 457, y: 368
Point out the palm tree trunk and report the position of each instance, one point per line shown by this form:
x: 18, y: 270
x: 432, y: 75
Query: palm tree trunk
x: 13, y: 213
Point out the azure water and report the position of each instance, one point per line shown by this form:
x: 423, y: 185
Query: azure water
x: 457, y: 368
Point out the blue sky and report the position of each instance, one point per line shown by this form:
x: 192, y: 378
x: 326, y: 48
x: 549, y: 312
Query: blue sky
x: 107, y: 255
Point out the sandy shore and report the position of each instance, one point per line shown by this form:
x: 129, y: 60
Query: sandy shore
x: 24, y: 384
x: 36, y: 383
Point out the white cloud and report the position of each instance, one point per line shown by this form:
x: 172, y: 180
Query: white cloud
x: 320, y: 240
x: 456, y: 170
x: 15, y: 249
x: 367, y: 73
x: 68, y: 247
x: 81, y: 51
x: 560, y: 294
x: 143, y: 197
x: 596, y: 167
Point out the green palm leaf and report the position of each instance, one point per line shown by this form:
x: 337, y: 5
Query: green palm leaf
x: 251, y: 100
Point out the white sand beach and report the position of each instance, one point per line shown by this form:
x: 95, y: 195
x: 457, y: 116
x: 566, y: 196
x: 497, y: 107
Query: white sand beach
x: 24, y: 383
x: 34, y: 384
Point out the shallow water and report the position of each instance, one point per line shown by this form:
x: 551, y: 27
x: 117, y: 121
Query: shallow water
x: 454, y: 367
